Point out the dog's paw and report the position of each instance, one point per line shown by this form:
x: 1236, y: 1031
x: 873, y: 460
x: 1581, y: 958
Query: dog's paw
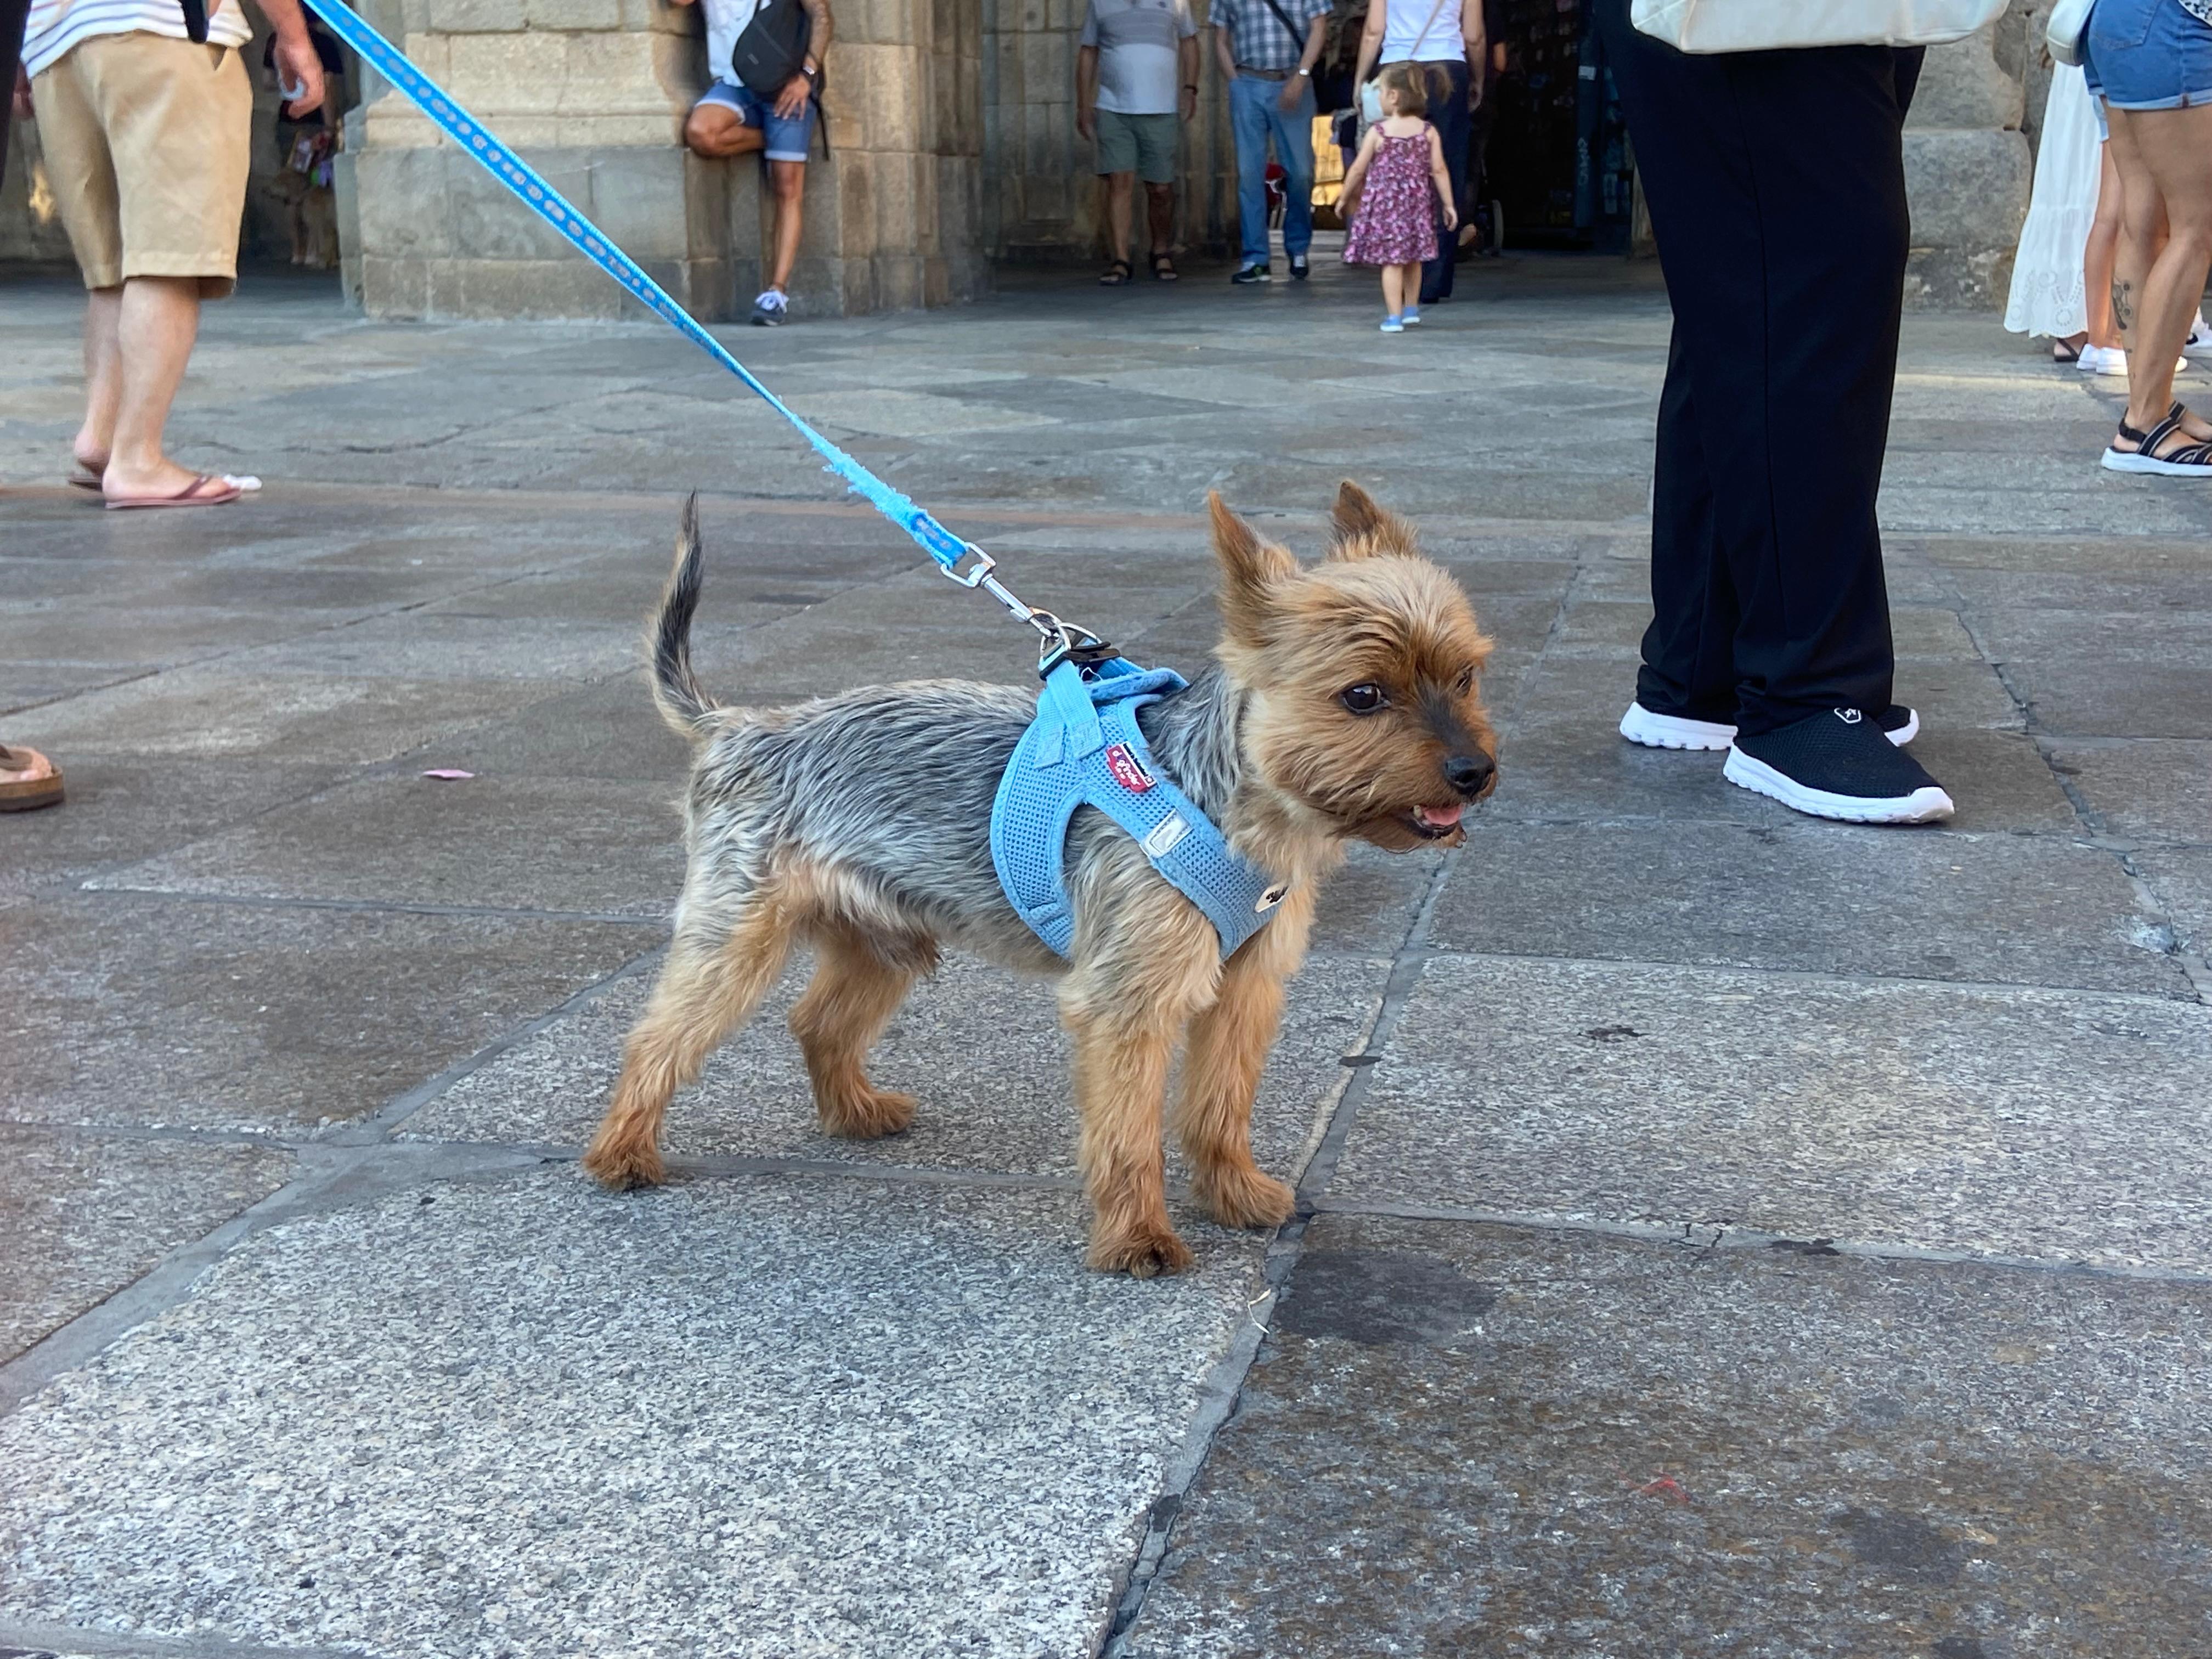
x: 870, y: 1117
x: 1141, y: 1255
x: 1246, y: 1198
x: 623, y: 1166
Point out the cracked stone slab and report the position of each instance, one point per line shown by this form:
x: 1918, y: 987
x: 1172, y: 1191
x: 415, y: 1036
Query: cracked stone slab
x: 131, y: 1009
x: 573, y: 844
x: 83, y: 1215
x: 782, y: 1418
x: 1819, y: 898
x: 981, y: 1050
x: 1467, y: 1440
x: 1996, y: 1120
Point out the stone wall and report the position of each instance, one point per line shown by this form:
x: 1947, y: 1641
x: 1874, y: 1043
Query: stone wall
x: 1968, y: 168
x: 592, y: 93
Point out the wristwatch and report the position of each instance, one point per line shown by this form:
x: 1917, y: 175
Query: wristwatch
x: 811, y: 71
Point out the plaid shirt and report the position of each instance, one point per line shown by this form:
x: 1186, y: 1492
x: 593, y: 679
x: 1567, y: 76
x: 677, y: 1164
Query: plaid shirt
x: 1257, y: 39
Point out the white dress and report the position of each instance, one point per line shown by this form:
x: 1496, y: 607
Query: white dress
x: 2046, y: 271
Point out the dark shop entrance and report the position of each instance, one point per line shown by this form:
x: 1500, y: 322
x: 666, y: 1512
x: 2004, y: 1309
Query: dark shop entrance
x: 1555, y: 165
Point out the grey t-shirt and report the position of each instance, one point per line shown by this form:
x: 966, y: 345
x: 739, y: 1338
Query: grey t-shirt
x: 1137, y: 41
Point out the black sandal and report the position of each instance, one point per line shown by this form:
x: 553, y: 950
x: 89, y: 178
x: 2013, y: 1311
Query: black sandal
x: 1115, y: 274
x: 1164, y: 269
x: 2063, y: 353
x: 2191, y: 460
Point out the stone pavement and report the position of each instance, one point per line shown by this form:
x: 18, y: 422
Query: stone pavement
x: 1726, y: 1234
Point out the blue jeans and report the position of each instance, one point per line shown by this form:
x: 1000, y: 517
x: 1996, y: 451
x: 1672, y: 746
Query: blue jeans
x: 1254, y: 118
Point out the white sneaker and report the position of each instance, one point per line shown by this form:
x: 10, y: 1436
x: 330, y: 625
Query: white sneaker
x: 2110, y: 360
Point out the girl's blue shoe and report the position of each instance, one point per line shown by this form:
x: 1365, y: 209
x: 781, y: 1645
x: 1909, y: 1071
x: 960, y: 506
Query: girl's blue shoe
x: 1391, y: 324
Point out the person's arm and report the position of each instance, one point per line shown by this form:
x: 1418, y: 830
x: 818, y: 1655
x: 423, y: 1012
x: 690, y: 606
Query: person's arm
x: 1222, y: 53
x: 1476, y: 33
x: 1441, y: 177
x: 1295, y: 88
x: 298, y: 63
x: 1356, y: 174
x: 1087, y: 91
x: 1187, y: 73
x: 800, y: 87
x: 1370, y: 40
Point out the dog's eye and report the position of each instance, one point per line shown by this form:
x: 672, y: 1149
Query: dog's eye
x: 1466, y: 681
x: 1363, y: 699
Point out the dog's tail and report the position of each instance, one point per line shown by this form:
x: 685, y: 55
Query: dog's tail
x: 676, y: 690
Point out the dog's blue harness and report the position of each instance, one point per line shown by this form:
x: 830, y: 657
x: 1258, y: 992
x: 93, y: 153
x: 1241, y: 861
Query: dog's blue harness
x: 1085, y: 749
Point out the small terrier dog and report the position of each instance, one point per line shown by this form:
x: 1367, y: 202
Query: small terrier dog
x: 1345, y: 705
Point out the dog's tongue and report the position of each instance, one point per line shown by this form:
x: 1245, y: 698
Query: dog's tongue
x: 1439, y: 817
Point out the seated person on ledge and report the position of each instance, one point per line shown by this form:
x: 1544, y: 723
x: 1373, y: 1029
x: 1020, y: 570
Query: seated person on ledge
x: 732, y: 119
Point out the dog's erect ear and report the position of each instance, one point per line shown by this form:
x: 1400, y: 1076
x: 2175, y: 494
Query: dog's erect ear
x: 1251, y: 571
x: 1364, y: 531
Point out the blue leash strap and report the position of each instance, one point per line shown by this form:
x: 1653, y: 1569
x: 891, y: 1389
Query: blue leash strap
x: 519, y: 176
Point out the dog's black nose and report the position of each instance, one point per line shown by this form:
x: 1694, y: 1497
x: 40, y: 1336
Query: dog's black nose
x: 1469, y: 774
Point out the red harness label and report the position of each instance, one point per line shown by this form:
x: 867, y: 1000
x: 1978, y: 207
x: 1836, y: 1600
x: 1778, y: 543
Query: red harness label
x: 1128, y: 771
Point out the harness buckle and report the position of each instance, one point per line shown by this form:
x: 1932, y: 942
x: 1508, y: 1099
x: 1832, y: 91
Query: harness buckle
x: 1066, y: 641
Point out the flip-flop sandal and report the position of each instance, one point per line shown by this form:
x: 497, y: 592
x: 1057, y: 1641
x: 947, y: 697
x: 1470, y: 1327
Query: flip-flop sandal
x: 1115, y: 274
x: 197, y: 492
x: 2063, y: 353
x: 1164, y: 269
x: 24, y: 794
x: 84, y: 478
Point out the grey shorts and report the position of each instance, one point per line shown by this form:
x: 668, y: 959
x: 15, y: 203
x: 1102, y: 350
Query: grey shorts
x: 1142, y: 145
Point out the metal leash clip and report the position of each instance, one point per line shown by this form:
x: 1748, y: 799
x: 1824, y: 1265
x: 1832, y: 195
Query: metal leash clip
x: 1065, y: 641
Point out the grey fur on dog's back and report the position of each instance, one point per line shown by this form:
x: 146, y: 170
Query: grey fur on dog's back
x: 892, y: 786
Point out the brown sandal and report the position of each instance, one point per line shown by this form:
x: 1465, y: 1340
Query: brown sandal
x: 26, y: 794
x: 206, y: 490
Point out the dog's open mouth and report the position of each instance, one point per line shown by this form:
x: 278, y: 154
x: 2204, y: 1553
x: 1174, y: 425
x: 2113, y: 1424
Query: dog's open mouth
x: 1435, y: 822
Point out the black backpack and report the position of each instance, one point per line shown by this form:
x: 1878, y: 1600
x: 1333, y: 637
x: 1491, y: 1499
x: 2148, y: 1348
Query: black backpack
x: 773, y: 48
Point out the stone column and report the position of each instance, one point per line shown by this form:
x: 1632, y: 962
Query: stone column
x: 592, y: 93
x: 1968, y: 168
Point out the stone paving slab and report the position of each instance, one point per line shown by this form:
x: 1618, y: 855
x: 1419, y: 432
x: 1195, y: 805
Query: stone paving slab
x: 1998, y: 1120
x: 555, y: 844
x: 2141, y: 674
x: 82, y: 1215
x: 981, y: 1050
x: 135, y: 1009
x: 1472, y: 1440
x: 607, y: 730
x: 741, y: 1417
x: 2155, y: 789
x: 1821, y: 898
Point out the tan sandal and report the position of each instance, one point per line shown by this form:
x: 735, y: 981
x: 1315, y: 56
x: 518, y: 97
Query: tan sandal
x: 39, y: 786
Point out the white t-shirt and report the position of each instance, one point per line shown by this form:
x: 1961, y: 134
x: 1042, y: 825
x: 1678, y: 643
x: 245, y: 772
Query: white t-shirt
x: 1137, y: 42
x: 726, y: 21
x: 1423, y: 31
x: 55, y: 26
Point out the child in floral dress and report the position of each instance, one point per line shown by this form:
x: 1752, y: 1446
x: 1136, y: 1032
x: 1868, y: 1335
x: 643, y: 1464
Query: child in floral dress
x: 1392, y: 193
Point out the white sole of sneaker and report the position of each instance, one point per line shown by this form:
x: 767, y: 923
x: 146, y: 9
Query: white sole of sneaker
x: 1921, y: 806
x: 1906, y: 733
x: 2131, y: 460
x: 1640, y: 725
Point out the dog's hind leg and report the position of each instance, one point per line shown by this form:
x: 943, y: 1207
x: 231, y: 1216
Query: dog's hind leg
x: 1126, y: 1007
x: 1222, y: 1063
x: 860, y: 980
x: 724, y: 959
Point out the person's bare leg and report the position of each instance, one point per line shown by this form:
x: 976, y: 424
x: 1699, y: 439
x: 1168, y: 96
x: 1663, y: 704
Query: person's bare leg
x: 103, y: 377
x: 1159, y: 217
x: 159, y: 320
x: 2165, y: 156
x: 1394, y: 289
x: 714, y: 131
x: 787, y: 180
x: 2097, y: 255
x: 1120, y: 188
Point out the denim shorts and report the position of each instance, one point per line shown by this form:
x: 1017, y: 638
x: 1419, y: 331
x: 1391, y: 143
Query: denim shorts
x: 786, y: 140
x: 2148, y: 54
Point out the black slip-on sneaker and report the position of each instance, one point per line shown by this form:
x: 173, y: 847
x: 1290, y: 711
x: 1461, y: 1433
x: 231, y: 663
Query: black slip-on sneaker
x: 1837, y: 765
x: 1655, y: 730
x: 1251, y: 274
x: 1299, y: 267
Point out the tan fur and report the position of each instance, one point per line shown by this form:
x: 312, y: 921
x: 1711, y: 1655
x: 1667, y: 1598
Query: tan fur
x: 1145, y: 974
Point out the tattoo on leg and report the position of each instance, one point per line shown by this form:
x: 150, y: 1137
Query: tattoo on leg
x: 2124, y: 304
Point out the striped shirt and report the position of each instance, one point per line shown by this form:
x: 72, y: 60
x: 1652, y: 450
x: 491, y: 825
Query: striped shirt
x: 55, y: 26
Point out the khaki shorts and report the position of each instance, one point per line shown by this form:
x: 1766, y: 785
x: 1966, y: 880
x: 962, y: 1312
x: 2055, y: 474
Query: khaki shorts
x: 1142, y: 145
x: 146, y: 142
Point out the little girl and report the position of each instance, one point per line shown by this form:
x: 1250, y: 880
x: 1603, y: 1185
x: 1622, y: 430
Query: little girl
x: 1392, y: 192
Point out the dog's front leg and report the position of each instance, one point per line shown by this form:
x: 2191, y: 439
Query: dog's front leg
x: 1227, y: 1051
x: 1126, y: 1005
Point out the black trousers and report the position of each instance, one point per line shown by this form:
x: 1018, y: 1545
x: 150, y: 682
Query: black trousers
x: 1776, y: 190
x: 1448, y: 114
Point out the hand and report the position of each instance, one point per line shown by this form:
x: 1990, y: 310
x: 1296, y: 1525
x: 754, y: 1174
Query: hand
x: 791, y: 102
x: 1451, y: 216
x: 1293, y: 90
x: 297, y: 65
x: 1086, y: 123
x: 1474, y: 88
x: 1189, y: 104
x: 21, y: 99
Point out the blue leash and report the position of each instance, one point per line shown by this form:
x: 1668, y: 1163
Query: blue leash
x: 949, y: 550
